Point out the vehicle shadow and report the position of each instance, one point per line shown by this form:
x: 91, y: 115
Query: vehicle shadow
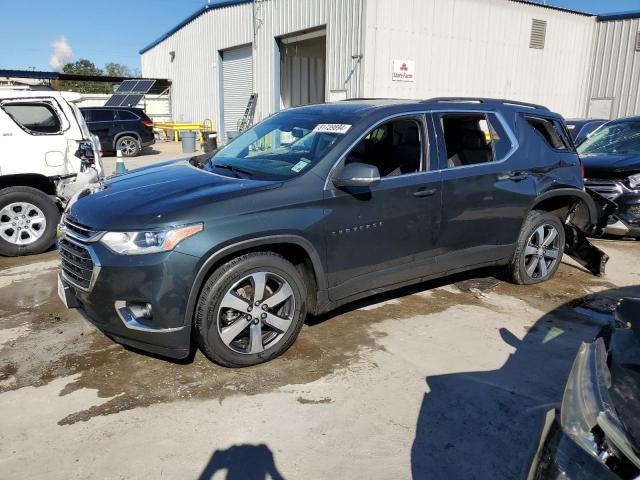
x: 487, y: 424
x: 243, y: 462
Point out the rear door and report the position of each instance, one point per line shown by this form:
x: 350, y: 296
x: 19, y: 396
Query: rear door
x: 101, y: 122
x: 385, y: 234
x: 484, y: 195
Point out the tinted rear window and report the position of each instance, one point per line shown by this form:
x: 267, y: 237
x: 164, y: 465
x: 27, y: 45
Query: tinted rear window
x: 552, y: 131
x: 102, y: 115
x: 34, y: 117
x: 125, y: 115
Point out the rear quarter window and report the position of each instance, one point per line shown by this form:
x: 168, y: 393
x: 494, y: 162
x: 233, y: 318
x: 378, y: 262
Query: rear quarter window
x: 35, y: 118
x: 125, y: 115
x: 552, y: 131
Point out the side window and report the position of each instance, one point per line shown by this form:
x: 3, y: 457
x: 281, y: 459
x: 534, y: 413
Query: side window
x: 36, y: 118
x: 552, y: 131
x: 102, y: 115
x: 467, y: 138
x: 395, y: 148
x: 125, y: 115
x: 501, y: 142
x: 86, y: 114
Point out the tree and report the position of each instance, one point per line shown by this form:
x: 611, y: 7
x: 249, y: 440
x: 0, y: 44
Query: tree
x: 117, y: 70
x: 83, y: 67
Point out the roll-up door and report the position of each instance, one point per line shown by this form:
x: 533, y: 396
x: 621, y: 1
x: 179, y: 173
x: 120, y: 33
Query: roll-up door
x: 237, y: 73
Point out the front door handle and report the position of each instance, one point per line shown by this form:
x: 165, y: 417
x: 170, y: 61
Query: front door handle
x: 425, y: 192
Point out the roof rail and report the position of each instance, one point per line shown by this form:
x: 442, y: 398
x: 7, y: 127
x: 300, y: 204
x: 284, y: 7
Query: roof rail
x: 485, y: 100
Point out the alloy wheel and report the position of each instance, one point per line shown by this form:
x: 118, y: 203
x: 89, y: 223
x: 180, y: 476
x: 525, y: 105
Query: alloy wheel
x: 542, y: 251
x: 256, y: 312
x: 128, y: 146
x: 22, y: 223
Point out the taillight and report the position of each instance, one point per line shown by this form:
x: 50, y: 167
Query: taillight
x: 581, y: 167
x: 147, y: 123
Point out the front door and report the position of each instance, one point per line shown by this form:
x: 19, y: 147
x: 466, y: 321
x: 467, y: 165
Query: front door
x: 385, y: 234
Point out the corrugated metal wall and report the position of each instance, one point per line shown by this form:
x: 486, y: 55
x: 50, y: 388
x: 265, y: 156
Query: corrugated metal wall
x: 194, y: 72
x: 478, y: 48
x: 616, y: 66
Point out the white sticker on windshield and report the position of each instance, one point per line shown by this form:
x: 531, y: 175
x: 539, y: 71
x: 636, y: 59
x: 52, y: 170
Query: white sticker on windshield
x: 340, y: 128
x: 301, y: 165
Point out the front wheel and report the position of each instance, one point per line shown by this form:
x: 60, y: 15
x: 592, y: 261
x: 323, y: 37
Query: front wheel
x: 539, y: 249
x: 28, y: 221
x: 250, y: 310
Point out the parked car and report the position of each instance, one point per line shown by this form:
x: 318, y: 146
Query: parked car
x: 595, y: 435
x: 126, y: 129
x: 611, y: 158
x: 46, y: 155
x: 318, y: 206
x: 580, y: 129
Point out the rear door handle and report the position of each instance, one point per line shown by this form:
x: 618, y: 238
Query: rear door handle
x: 515, y: 176
x: 425, y: 192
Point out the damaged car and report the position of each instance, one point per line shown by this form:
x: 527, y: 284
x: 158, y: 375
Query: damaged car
x: 316, y: 207
x: 47, y: 155
x: 595, y: 435
x: 611, y: 158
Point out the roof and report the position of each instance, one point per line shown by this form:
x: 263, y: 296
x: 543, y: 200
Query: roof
x: 605, y: 17
x: 212, y: 5
x: 12, y: 94
x: 551, y: 7
x: 161, y: 84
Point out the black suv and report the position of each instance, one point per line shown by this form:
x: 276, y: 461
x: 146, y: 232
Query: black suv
x: 120, y: 128
x: 315, y: 207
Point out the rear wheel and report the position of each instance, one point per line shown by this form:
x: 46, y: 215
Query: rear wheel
x: 129, y: 146
x: 28, y: 221
x: 250, y: 310
x: 539, y: 249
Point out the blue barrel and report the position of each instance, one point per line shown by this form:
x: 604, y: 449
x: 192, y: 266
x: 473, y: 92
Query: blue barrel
x: 188, y: 142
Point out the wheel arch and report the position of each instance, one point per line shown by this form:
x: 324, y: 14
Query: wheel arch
x: 128, y: 133
x: 563, y: 201
x: 294, y: 248
x: 33, y: 180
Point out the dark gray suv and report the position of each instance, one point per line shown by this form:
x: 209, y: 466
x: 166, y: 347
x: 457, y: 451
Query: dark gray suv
x: 318, y: 206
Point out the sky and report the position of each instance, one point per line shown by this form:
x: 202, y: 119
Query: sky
x: 115, y: 30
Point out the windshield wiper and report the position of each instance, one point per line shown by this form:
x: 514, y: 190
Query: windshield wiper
x: 235, y: 170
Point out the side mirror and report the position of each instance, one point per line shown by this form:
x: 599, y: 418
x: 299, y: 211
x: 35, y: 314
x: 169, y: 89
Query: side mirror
x: 357, y: 175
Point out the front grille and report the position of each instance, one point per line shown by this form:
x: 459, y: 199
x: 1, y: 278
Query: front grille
x: 77, y: 229
x: 609, y: 189
x: 76, y: 262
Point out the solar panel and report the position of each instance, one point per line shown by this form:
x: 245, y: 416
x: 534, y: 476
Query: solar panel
x: 115, y: 101
x: 131, y: 100
x: 126, y: 86
x: 143, y: 86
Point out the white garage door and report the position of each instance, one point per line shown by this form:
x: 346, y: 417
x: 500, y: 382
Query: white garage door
x: 237, y: 74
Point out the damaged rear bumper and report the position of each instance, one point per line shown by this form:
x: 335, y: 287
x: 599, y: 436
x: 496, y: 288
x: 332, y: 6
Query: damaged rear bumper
x: 577, y: 227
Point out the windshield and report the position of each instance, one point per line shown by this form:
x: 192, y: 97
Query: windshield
x: 281, y: 147
x: 613, y: 139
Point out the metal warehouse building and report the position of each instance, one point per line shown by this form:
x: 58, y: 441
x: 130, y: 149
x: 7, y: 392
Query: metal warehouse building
x: 294, y: 52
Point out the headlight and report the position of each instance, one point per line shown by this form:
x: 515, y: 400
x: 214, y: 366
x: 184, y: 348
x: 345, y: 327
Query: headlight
x: 153, y: 241
x: 634, y: 181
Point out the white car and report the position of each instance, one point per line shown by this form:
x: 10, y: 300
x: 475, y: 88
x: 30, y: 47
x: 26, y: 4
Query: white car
x: 46, y: 155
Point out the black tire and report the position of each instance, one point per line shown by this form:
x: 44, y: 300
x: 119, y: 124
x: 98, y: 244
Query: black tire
x: 220, y: 283
x: 518, y: 266
x: 49, y: 209
x: 128, y: 145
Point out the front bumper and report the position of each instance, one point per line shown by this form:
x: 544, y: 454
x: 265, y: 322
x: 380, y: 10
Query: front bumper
x: 626, y: 222
x: 162, y: 280
x: 558, y: 457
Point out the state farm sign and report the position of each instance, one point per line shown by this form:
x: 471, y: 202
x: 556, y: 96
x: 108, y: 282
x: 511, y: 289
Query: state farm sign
x: 404, y: 71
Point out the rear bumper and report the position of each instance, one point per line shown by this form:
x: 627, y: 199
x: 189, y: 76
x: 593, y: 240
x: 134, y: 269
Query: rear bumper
x: 161, y: 280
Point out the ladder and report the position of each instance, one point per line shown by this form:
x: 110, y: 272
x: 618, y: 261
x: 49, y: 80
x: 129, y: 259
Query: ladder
x: 247, y: 119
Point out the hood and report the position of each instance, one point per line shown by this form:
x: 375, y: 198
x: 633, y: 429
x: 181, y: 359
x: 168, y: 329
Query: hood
x: 158, y: 195
x: 610, y: 166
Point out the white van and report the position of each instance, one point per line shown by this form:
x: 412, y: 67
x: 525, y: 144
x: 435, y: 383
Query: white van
x: 46, y: 155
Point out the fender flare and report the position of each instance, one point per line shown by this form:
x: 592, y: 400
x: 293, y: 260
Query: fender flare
x: 308, y: 247
x: 571, y: 192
